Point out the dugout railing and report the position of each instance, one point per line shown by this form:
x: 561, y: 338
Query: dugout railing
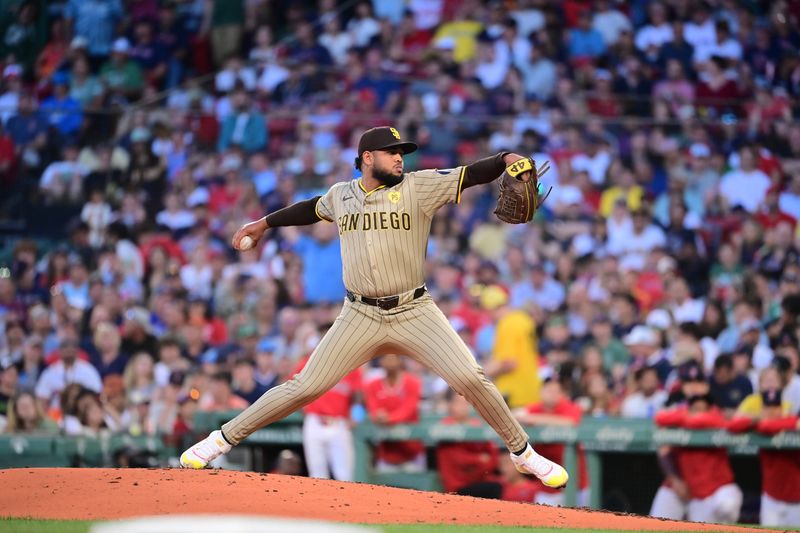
x: 32, y: 450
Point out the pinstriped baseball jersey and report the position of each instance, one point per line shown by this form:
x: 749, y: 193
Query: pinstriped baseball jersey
x: 383, y: 235
x: 384, y: 232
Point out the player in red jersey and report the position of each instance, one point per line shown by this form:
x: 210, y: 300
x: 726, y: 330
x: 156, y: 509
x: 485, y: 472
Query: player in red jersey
x: 327, y: 435
x: 462, y: 464
x: 768, y: 413
x: 555, y: 408
x: 713, y: 495
x: 394, y: 399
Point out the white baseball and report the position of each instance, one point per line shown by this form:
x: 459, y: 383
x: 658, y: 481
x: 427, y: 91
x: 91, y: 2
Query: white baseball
x: 246, y: 242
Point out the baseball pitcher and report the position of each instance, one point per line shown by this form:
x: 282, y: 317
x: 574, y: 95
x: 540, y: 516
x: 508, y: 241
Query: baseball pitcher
x: 384, y: 220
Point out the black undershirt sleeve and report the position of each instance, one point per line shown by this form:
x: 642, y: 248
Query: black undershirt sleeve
x: 484, y: 170
x: 298, y: 214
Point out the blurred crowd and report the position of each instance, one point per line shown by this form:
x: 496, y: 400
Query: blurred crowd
x: 138, y: 135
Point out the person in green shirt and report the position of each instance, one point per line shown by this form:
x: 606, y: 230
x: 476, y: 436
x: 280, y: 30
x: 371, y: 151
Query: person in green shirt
x: 727, y: 272
x: 225, y: 20
x: 84, y: 87
x: 25, y: 415
x: 615, y: 354
x: 23, y: 37
x: 120, y: 74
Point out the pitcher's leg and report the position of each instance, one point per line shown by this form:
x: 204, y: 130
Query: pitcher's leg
x: 349, y: 343
x: 428, y: 333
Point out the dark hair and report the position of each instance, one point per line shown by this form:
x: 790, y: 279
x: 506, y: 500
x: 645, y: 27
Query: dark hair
x: 708, y: 398
x: 639, y: 374
x: 629, y: 298
x: 692, y: 329
x: 791, y: 304
x: 781, y: 363
x: 553, y: 379
x: 222, y: 376
x: 357, y: 163
x: 714, y: 330
x: 723, y: 360
x: 169, y: 341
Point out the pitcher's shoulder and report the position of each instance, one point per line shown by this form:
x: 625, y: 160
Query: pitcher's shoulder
x: 433, y: 172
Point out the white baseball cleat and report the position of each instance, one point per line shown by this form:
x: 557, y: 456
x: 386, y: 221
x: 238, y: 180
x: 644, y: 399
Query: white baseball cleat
x: 551, y: 474
x: 205, y: 451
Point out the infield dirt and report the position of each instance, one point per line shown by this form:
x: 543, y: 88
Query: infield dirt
x: 97, y: 494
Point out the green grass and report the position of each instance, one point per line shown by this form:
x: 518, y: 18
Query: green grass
x: 29, y: 525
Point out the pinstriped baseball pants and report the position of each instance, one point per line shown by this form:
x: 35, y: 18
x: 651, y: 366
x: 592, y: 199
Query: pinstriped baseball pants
x: 361, y: 332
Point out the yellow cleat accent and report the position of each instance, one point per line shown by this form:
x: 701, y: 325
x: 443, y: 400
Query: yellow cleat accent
x: 557, y: 481
x: 187, y: 461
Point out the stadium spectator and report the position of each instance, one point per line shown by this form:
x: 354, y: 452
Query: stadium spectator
x: 464, y: 464
x: 243, y: 127
x: 95, y: 22
x: 139, y: 376
x: 327, y: 434
x: 67, y: 369
x: 120, y: 74
x: 645, y: 351
x: 28, y: 131
x: 648, y: 397
x: 557, y: 410
x: 711, y: 492
x: 768, y: 413
x: 220, y: 396
x: 225, y: 22
x: 25, y: 415
x: 584, y: 40
x: 728, y: 388
x: 91, y: 416
x: 106, y: 356
x: 394, y: 399
x: 658, y: 32
x: 63, y: 110
x: 609, y: 21
x: 747, y: 185
x: 31, y: 366
x: 514, y: 361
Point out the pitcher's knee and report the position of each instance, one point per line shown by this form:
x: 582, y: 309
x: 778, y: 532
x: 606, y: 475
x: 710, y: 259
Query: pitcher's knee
x: 308, y: 395
x: 301, y: 392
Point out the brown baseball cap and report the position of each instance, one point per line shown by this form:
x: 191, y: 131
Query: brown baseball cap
x: 383, y: 138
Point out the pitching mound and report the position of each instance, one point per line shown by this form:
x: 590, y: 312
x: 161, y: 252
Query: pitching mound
x: 97, y: 494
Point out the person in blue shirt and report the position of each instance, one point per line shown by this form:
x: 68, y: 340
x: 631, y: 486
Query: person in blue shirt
x: 62, y: 110
x: 322, y: 270
x: 150, y: 54
x: 28, y: 130
x: 244, y: 127
x: 94, y: 20
x: 727, y: 387
x: 585, y: 41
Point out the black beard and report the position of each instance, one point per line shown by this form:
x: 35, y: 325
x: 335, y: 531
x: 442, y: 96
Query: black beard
x: 386, y: 178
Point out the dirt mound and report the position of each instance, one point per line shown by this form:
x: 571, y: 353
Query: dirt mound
x: 95, y: 494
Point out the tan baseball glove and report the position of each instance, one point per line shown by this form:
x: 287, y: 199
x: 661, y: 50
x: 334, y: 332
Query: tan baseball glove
x: 520, y: 191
